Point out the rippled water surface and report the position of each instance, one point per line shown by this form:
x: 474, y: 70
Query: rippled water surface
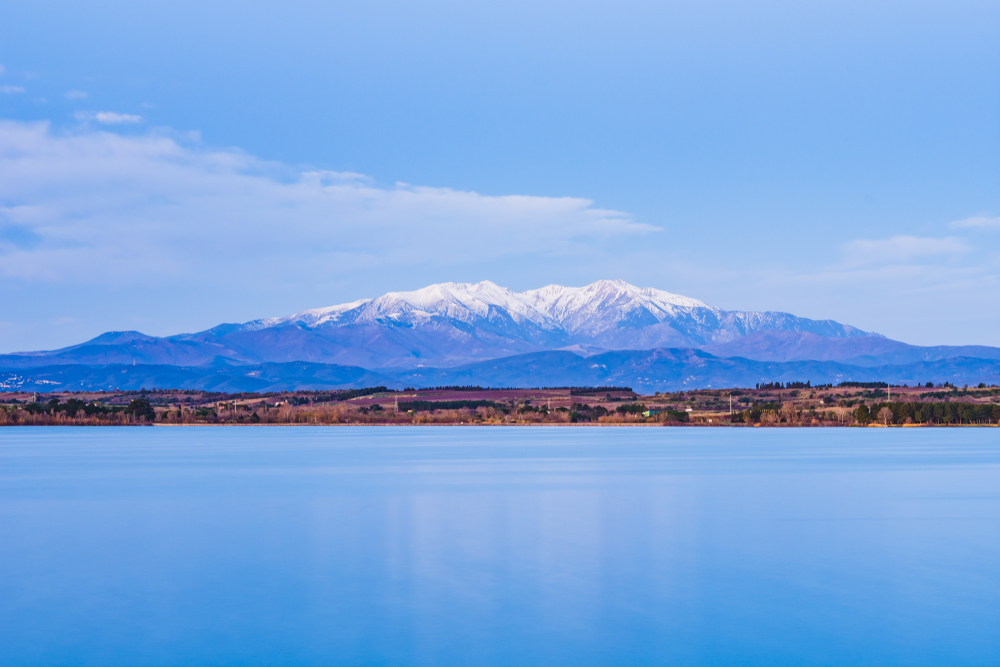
x: 499, y: 546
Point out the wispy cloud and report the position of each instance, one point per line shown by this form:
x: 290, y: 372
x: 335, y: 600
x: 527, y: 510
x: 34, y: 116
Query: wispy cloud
x: 75, y: 95
x: 108, y: 117
x: 103, y: 208
x: 11, y: 90
x: 902, y: 249
x: 981, y: 220
x: 3, y: 70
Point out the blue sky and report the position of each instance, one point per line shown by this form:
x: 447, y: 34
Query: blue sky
x: 169, y: 166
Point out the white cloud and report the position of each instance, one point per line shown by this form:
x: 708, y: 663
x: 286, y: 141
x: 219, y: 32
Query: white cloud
x: 108, y: 117
x: 982, y: 220
x: 75, y: 95
x: 902, y: 249
x: 11, y: 90
x: 101, y: 208
x: 3, y: 70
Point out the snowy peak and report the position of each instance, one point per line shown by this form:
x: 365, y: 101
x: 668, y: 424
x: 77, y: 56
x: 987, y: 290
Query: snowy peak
x: 465, y: 302
x: 605, y: 303
x: 608, y: 313
x: 594, y: 307
x: 309, y: 318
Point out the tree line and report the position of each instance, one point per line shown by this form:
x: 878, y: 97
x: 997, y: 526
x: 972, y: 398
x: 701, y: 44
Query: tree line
x: 928, y: 413
x: 886, y: 413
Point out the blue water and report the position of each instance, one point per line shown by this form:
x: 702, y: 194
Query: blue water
x: 499, y: 546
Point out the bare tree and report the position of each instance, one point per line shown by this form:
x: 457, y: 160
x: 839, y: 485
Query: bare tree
x: 885, y: 416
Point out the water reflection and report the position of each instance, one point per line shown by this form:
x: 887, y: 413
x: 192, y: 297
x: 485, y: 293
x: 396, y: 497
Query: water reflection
x: 439, y: 546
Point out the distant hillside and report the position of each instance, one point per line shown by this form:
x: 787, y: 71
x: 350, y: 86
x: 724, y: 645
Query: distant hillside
x: 858, y: 351
x: 262, y: 377
x: 646, y: 371
x: 673, y: 369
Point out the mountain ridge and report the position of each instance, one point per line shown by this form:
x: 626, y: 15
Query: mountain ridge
x: 451, y: 324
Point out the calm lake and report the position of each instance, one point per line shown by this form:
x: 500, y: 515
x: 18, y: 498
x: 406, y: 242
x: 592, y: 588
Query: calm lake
x: 499, y: 546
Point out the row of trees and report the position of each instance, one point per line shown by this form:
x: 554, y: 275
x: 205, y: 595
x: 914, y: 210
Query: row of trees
x: 885, y: 413
x: 928, y: 413
x: 77, y: 412
x: 789, y: 385
x: 140, y: 411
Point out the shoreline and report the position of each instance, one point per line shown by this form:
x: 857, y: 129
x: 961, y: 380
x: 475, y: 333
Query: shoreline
x: 793, y: 405
x: 505, y: 425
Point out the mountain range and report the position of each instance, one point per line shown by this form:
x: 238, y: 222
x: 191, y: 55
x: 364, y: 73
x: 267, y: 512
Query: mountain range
x: 444, y: 332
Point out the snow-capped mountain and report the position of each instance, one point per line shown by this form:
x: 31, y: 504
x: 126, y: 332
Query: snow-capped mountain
x: 611, y: 313
x: 607, y: 303
x: 464, y: 302
x: 452, y: 324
